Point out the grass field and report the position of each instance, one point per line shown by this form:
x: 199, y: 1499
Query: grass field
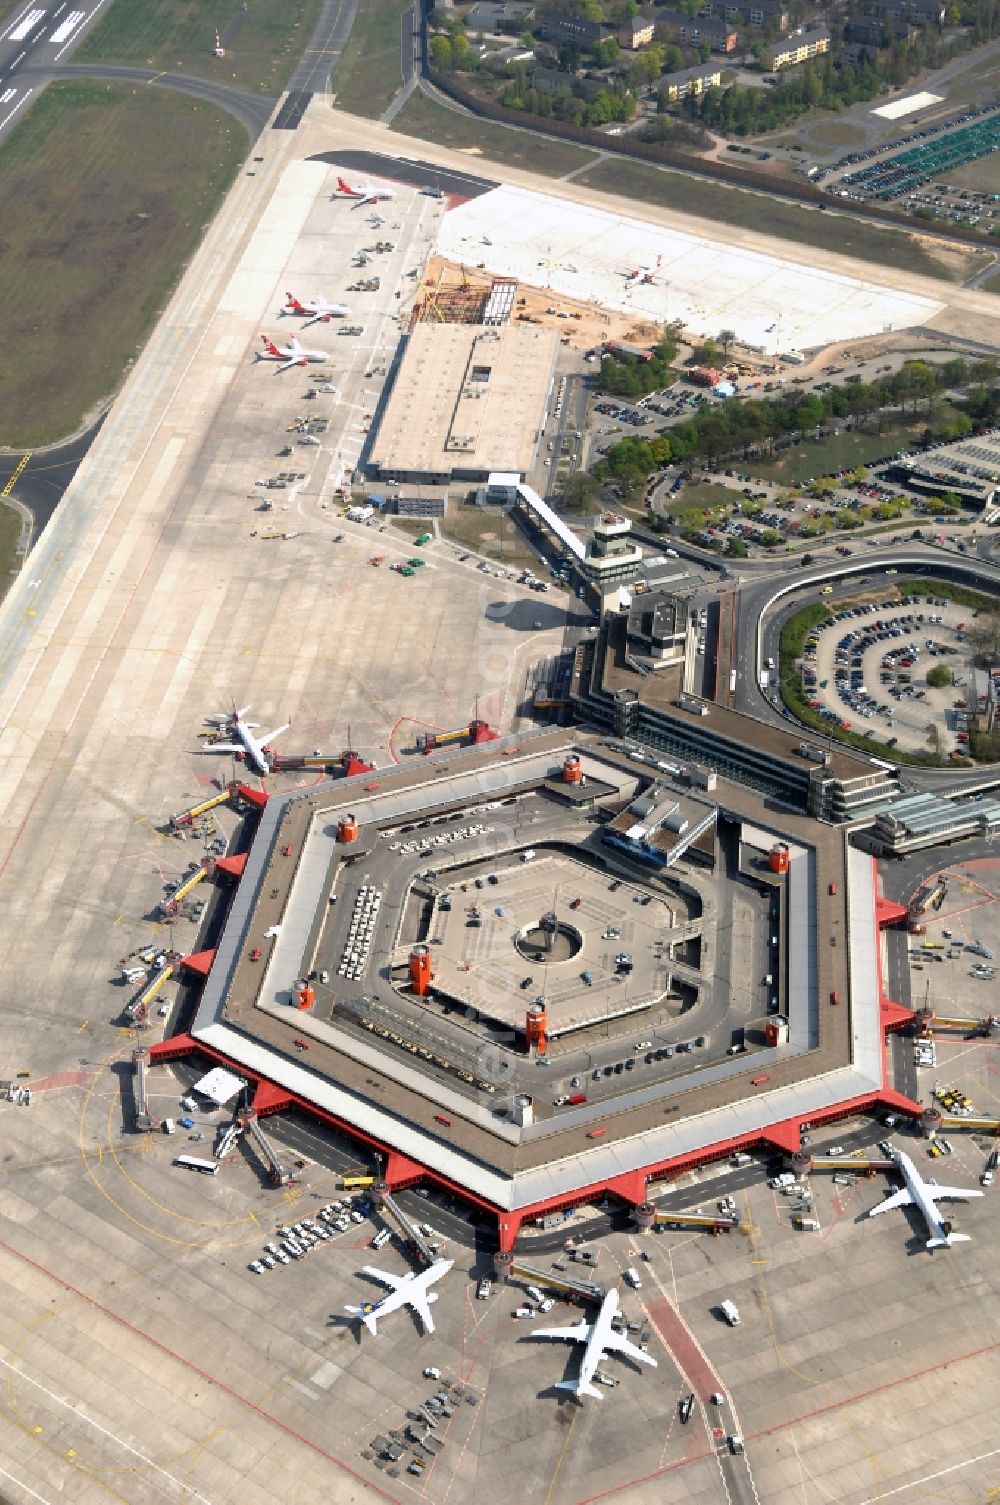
x: 263, y: 44
x: 992, y: 283
x: 768, y: 216
x: 495, y: 537
x: 10, y: 532
x: 368, y: 71
x: 836, y: 133
x: 104, y: 195
x: 820, y: 457
x: 423, y: 117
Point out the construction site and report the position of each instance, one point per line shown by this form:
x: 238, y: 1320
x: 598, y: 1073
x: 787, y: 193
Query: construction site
x: 457, y: 294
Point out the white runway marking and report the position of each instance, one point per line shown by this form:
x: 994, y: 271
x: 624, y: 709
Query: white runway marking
x: 14, y: 111
x: 25, y: 27
x: 93, y: 13
x: 104, y: 1431
x: 26, y: 1487
x: 67, y: 27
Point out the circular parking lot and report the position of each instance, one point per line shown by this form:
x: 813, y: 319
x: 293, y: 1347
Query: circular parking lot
x: 867, y: 671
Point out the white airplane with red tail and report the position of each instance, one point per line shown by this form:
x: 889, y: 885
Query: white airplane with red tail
x: 292, y: 354
x: 313, y: 310
x: 365, y: 193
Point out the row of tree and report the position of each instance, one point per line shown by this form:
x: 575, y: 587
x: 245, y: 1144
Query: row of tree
x: 741, y: 426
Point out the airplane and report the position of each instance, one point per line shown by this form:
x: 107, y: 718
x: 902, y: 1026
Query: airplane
x: 256, y: 751
x: 292, y: 354
x: 317, y: 308
x: 410, y: 1289
x: 600, y: 1338
x: 924, y: 1195
x: 365, y: 193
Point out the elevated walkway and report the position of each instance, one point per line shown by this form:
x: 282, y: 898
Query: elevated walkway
x: 529, y: 496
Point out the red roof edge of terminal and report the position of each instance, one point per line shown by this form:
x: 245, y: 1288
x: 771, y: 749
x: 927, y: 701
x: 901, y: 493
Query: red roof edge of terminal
x: 632, y: 1186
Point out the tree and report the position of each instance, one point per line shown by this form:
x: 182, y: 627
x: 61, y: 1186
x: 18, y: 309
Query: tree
x: 726, y: 340
x: 592, y: 10
x: 738, y: 548
x: 580, y: 492
x: 934, y: 740
x: 441, y: 53
x: 983, y: 636
x: 938, y: 677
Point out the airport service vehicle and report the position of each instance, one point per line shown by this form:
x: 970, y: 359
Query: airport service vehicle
x: 292, y: 354
x: 411, y: 1289
x: 192, y: 1163
x: 599, y: 1338
x: 314, y: 310
x: 731, y: 1312
x: 365, y: 193
x: 925, y: 1195
x: 632, y: 1277
x: 253, y: 750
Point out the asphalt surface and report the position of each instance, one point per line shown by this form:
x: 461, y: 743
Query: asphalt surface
x: 319, y: 59
x: 43, y: 482
x: 406, y: 170
x: 33, y: 41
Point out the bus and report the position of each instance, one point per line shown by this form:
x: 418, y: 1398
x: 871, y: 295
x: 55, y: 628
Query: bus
x: 192, y: 1163
x: 350, y: 1182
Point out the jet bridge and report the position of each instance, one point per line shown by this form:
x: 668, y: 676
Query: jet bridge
x: 277, y: 1173
x: 408, y: 1230
x: 710, y: 1222
x: 137, y: 1012
x: 144, y: 1121
x: 562, y: 1284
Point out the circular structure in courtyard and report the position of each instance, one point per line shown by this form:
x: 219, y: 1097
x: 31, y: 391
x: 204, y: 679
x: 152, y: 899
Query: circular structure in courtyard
x: 551, y: 940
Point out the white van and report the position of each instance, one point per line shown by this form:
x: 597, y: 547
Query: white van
x: 169, y: 1127
x: 731, y: 1312
x: 632, y: 1277
x: 535, y: 1294
x: 381, y: 1238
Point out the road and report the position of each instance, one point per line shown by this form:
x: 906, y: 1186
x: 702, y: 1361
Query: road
x: 42, y: 483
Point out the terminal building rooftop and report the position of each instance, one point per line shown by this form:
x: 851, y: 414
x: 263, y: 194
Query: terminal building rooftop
x: 447, y: 1084
x: 467, y: 400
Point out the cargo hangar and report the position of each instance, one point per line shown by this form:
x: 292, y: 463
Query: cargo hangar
x: 452, y: 964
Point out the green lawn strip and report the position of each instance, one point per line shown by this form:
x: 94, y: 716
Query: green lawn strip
x: 104, y: 195
x: 10, y: 532
x: 771, y: 216
x: 179, y: 36
x: 368, y: 71
x: 823, y: 457
x: 430, y: 121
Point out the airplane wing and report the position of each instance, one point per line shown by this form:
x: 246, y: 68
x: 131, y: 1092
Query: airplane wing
x: 958, y: 1193
x: 420, y: 1302
x: 618, y: 1343
x: 579, y: 1333
x: 392, y: 1281
x: 269, y: 736
x: 216, y: 747
x: 899, y: 1198
x: 315, y: 319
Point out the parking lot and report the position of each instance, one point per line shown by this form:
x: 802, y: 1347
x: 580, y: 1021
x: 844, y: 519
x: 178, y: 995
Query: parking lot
x: 868, y: 669
x: 900, y: 167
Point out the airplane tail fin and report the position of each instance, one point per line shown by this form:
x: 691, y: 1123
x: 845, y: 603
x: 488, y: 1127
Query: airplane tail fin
x: 579, y: 1387
x: 946, y: 1243
x: 269, y: 345
x: 292, y: 304
x: 368, y: 1318
x: 344, y: 187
